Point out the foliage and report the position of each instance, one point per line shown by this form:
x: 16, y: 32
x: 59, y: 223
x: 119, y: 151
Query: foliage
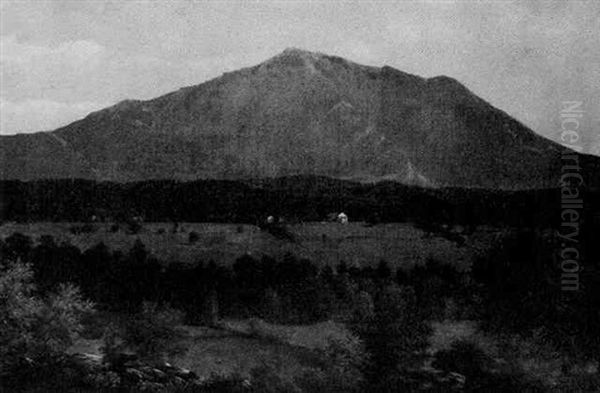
x: 463, y: 357
x: 480, y: 370
x: 301, y: 197
x: 85, y: 228
x: 344, y: 359
x: 521, y: 288
x: 17, y: 247
x: 338, y: 370
x: 35, y: 330
x: 395, y: 337
x: 270, y: 378
x: 193, y: 237
x: 154, y: 333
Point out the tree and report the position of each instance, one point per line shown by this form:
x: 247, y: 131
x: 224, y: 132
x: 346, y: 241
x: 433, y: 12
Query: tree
x: 34, y: 329
x: 18, y: 246
x: 394, y: 337
x: 341, y: 371
x: 193, y: 237
x: 154, y: 333
x: 383, y: 271
x: 364, y: 309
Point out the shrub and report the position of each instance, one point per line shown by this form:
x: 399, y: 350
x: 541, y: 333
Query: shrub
x: 35, y: 330
x: 154, y: 333
x: 463, y: 357
x: 17, y: 246
x: 134, y: 226
x: 80, y: 229
x: 468, y: 359
x: 395, y: 337
x: 193, y: 237
x: 220, y: 384
x: 342, y: 370
x: 270, y: 378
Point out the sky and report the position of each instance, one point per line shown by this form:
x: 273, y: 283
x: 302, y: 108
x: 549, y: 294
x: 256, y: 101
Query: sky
x: 62, y: 59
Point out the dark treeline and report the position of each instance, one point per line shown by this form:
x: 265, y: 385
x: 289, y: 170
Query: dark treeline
x: 289, y: 290
x: 296, y: 198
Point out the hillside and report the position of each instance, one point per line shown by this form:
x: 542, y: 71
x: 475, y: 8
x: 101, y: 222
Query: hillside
x: 299, y: 113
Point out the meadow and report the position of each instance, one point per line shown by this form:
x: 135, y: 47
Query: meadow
x: 324, y: 243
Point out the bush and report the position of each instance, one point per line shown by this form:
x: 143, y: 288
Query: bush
x: 134, y: 226
x: 35, y: 330
x: 395, y: 336
x: 344, y: 360
x: 270, y: 378
x: 193, y: 237
x: 80, y: 229
x: 467, y: 359
x: 154, y: 333
x: 221, y: 384
x: 463, y: 357
x: 17, y: 246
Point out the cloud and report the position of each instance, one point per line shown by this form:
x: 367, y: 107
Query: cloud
x: 72, y: 52
x: 40, y: 115
x: 29, y: 71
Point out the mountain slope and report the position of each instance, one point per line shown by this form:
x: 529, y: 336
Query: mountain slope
x: 297, y: 113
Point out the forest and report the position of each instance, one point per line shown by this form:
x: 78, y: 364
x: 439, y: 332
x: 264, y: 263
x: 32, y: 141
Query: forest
x: 298, y: 198
x: 387, y: 310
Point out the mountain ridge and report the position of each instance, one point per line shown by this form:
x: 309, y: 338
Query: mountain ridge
x: 299, y: 113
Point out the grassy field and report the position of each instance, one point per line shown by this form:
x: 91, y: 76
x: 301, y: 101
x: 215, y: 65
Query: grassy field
x: 242, y: 345
x: 239, y: 346
x: 399, y: 244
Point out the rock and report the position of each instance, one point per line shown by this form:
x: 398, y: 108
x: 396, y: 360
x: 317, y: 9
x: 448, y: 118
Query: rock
x: 151, y: 387
x: 456, y: 378
x: 134, y: 374
x: 158, y: 374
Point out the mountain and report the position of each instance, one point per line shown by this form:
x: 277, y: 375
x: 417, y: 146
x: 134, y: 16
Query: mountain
x: 299, y: 113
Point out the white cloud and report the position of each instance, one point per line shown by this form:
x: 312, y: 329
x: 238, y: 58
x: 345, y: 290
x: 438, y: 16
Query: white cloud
x: 76, y: 52
x: 40, y: 115
x: 67, y: 55
x: 30, y: 71
x: 32, y: 75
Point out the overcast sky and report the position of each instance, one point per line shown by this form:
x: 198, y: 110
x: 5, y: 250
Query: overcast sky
x: 62, y: 59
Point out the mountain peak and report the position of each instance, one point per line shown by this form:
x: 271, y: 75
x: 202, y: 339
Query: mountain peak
x: 294, y: 58
x: 293, y: 50
x: 304, y: 54
x: 297, y: 113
